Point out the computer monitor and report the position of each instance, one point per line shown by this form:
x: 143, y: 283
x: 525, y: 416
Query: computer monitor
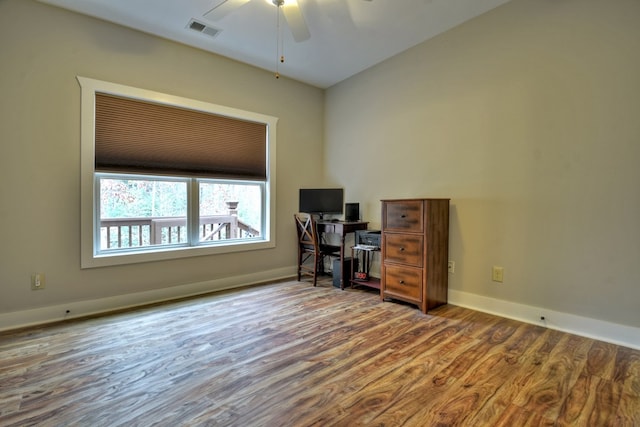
x: 321, y: 201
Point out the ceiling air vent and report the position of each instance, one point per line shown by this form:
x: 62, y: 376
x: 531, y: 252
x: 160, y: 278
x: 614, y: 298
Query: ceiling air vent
x: 202, y: 28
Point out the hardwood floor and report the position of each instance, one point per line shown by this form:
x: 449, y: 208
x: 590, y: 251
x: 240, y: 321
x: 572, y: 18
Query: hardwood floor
x: 289, y: 354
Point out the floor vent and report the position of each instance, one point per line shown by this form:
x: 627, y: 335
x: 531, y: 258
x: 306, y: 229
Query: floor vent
x: 203, y: 28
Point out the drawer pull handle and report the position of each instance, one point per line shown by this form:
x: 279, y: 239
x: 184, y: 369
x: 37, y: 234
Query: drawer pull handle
x: 402, y: 249
x: 403, y: 216
x: 401, y: 282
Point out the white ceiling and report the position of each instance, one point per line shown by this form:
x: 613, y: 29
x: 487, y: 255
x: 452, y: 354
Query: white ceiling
x: 347, y: 36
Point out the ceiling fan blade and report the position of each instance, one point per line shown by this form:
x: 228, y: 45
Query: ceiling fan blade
x: 295, y: 21
x: 223, y: 9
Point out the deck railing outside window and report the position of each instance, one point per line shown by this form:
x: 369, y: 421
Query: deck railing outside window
x: 148, y: 231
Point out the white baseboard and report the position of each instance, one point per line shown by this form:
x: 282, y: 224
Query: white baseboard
x: 37, y: 316
x: 614, y: 333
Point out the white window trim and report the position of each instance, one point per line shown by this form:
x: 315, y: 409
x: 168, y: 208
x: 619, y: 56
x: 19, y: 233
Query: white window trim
x: 88, y: 216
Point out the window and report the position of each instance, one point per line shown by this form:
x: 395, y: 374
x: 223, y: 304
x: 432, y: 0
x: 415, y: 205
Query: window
x: 168, y: 177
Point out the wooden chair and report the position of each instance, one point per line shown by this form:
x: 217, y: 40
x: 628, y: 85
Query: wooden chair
x: 311, y: 252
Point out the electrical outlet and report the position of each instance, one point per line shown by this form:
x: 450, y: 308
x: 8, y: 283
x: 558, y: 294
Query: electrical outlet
x: 37, y: 282
x: 497, y: 274
x: 451, y: 266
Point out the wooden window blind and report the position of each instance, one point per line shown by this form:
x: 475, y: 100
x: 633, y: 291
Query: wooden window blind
x: 145, y: 137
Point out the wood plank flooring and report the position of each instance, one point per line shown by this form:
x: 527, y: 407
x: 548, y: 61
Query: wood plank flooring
x: 289, y: 354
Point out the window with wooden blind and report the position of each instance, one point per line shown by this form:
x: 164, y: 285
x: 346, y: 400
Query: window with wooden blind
x: 168, y: 177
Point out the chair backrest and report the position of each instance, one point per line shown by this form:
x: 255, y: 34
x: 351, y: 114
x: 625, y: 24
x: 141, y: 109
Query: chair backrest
x: 307, y: 231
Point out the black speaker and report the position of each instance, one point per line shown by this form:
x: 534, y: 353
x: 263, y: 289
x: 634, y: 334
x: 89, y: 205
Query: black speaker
x: 345, y: 271
x: 352, y: 211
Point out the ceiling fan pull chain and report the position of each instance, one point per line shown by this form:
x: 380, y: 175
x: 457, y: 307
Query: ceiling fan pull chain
x: 279, y: 43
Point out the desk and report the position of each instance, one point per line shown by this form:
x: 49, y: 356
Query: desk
x: 341, y: 228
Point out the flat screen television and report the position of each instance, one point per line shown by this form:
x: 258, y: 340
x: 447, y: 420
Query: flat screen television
x: 321, y: 201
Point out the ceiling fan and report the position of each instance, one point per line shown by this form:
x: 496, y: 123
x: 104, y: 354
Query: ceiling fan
x: 290, y: 9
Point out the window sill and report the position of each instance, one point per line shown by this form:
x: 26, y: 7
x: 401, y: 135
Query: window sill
x: 89, y: 260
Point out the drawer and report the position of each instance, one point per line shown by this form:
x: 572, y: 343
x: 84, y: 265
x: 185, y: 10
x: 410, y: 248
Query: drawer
x: 404, y: 282
x: 403, y: 215
x: 404, y: 248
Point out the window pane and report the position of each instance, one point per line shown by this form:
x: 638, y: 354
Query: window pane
x: 142, y: 212
x: 230, y: 210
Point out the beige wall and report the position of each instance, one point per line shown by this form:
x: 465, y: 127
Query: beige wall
x: 42, y: 50
x: 528, y: 119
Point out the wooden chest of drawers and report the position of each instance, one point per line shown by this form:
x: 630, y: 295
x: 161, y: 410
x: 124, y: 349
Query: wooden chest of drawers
x: 415, y: 251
